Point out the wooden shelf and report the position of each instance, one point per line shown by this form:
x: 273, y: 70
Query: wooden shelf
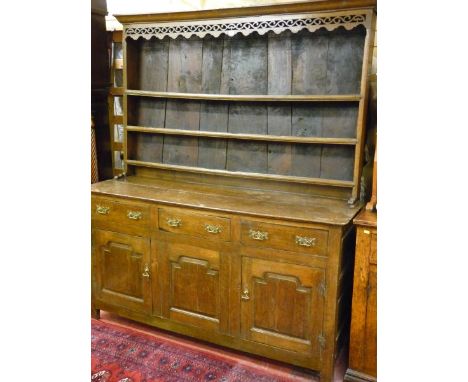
x: 253, y: 137
x: 282, y: 178
x: 251, y: 98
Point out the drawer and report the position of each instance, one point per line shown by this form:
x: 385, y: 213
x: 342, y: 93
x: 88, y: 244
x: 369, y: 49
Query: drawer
x: 195, y: 224
x: 286, y: 237
x: 121, y: 216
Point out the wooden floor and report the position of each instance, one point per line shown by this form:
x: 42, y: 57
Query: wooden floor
x: 295, y: 373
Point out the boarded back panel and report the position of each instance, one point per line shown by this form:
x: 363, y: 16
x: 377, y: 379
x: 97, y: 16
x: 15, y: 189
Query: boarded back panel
x: 339, y: 120
x: 247, y: 75
x: 279, y: 116
x: 245, y: 155
x: 344, y: 61
x: 337, y: 162
x: 213, y: 115
x: 309, y: 76
x: 151, y: 113
x: 185, y: 63
x: 344, y: 64
x: 133, y: 64
x: 184, y: 75
x: 306, y: 122
x: 153, y: 65
x: 309, y: 62
x: 247, y: 66
x: 145, y: 147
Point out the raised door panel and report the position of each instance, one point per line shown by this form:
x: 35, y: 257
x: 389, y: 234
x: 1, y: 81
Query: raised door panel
x: 122, y: 270
x: 282, y: 305
x: 194, y: 286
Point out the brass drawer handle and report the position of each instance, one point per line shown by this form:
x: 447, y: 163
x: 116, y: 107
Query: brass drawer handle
x: 305, y: 241
x: 212, y: 228
x: 134, y: 215
x: 102, y: 210
x: 258, y: 235
x: 174, y: 222
x: 146, y: 271
x: 245, y: 294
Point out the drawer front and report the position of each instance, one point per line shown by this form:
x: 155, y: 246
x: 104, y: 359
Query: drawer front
x: 289, y: 238
x: 195, y: 224
x: 121, y: 216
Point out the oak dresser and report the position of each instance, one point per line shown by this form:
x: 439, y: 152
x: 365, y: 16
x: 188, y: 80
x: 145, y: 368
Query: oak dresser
x: 243, y: 139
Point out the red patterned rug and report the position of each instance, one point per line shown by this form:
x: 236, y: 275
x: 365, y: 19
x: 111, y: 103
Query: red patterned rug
x: 120, y: 354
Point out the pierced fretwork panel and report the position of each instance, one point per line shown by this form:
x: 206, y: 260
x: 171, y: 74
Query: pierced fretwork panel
x: 246, y: 26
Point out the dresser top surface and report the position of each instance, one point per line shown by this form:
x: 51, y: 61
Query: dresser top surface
x: 282, y: 205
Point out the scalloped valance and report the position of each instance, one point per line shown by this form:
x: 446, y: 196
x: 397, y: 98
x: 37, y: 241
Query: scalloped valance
x: 248, y: 25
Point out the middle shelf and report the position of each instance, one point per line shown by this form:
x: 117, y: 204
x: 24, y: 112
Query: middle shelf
x: 248, y: 97
x: 253, y: 137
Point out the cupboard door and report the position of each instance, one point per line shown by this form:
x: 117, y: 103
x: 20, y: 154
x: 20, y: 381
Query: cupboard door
x: 194, y: 286
x: 282, y: 305
x: 122, y: 270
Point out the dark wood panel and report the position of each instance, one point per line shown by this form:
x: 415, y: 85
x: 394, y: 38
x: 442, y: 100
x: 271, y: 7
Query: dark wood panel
x: 247, y: 64
x: 309, y: 76
x: 144, y: 147
x: 305, y: 159
x: 279, y: 116
x: 247, y: 60
x: 247, y: 156
x: 339, y: 120
x: 344, y: 61
x: 337, y: 163
x: 309, y: 62
x: 132, y: 63
x: 184, y: 75
x: 185, y: 64
x: 154, y: 64
x: 150, y: 112
x: 213, y: 115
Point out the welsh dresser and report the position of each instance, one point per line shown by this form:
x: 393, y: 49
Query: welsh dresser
x: 243, y: 141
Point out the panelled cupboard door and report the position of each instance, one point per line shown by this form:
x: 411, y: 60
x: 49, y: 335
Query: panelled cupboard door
x: 194, y: 285
x: 282, y: 305
x: 122, y: 270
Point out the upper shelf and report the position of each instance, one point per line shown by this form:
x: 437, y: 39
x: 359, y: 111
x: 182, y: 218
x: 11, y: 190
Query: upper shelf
x: 250, y: 97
